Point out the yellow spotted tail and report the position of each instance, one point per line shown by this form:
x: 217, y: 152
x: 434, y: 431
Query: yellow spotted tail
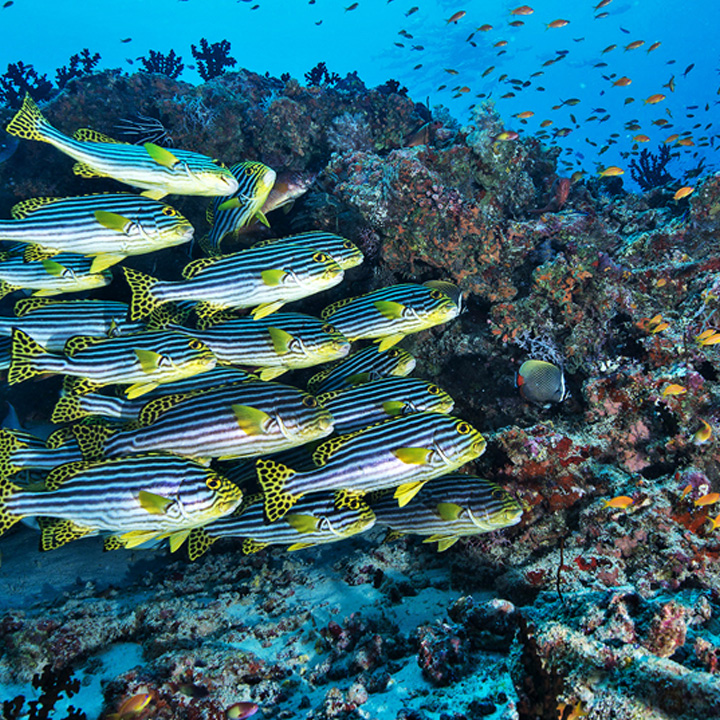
x: 25, y: 353
x: 273, y: 477
x: 7, y: 519
x: 67, y: 409
x: 143, y: 302
x: 29, y: 122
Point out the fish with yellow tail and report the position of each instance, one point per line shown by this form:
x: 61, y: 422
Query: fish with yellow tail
x: 316, y: 519
x: 403, y: 453
x: 143, y: 360
x: 361, y: 367
x: 20, y: 450
x: 263, y: 278
x: 390, y: 313
x: 107, y: 227
x: 135, y: 499
x: 449, y: 508
x: 227, y: 216
x: 156, y: 170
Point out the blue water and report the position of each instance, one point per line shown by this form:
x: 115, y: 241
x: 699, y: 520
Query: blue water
x: 278, y: 36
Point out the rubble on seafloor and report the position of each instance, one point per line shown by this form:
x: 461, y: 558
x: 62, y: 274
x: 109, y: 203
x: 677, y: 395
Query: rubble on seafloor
x: 582, y: 610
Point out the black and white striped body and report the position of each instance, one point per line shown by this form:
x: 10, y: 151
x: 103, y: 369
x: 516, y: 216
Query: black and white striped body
x: 343, y: 251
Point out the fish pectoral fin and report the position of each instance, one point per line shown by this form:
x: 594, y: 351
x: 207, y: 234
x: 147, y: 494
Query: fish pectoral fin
x: 149, y: 360
x: 104, y: 261
x: 300, y: 546
x: 302, y: 523
x: 260, y: 215
x: 271, y: 373
x: 406, y: 492
x: 229, y: 204
x: 412, y: 455
x: 112, y: 221
x: 154, y: 194
x: 162, y: 156
x: 443, y: 541
x: 137, y: 537
x: 266, y: 309
x: 389, y: 341
x: 449, y: 511
x: 389, y: 309
x: 281, y: 339
x: 153, y: 503
x: 139, y: 389
x: 251, y: 420
x: 273, y: 277
x: 393, y: 408
x: 53, y: 268
x: 177, y: 539
x: 82, y: 169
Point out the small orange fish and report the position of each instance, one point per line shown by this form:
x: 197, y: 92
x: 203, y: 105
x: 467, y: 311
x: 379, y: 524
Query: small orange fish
x: 602, y: 4
x: 622, y: 82
x: 452, y: 71
x: 608, y: 49
x: 131, y: 707
x: 557, y: 24
x: 660, y: 327
x: 506, y: 136
x: 487, y: 71
x: 485, y: 28
x: 655, y: 319
x: 709, y: 499
x: 674, y: 389
x: 714, y: 523
x: 704, y: 334
x: 546, y: 123
x: 641, y: 138
x: 671, y: 139
x: 704, y: 434
x: 524, y: 115
x: 612, y: 171
x: 241, y: 710
x: 683, y: 192
x: 500, y: 43
x: 577, y: 176
x: 712, y: 339
x: 621, y: 501
x: 686, y: 491
x: 685, y: 142
x: 654, y: 99
x: 522, y: 10
x: 459, y: 15
x: 654, y: 46
x: 464, y: 89
x: 634, y: 45
x: 516, y: 23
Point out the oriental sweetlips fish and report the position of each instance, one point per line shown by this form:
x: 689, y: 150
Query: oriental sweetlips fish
x: 449, y: 508
x: 143, y: 360
x: 226, y: 217
x: 20, y: 451
x: 391, y: 313
x: 51, y: 323
x: 316, y: 519
x: 361, y: 367
x: 107, y: 227
x: 243, y: 420
x: 343, y: 251
x: 263, y: 278
x: 403, y: 453
x: 159, y: 171
x: 135, y: 499
x: 280, y: 342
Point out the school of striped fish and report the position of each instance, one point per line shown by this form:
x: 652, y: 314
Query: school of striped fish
x: 171, y: 423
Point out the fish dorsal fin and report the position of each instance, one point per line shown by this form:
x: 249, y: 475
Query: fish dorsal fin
x: 162, y: 156
x: 27, y: 305
x: 326, y: 450
x: 328, y: 396
x: 155, y: 408
x: 25, y: 207
x: 63, y: 473
x: 82, y: 169
x: 210, y: 215
x: 153, y: 503
x: 318, y: 377
x: 91, y: 440
x: 35, y: 253
x: 88, y: 135
x: 194, y: 267
x: 334, y: 307
x: 78, y: 386
x: 78, y: 343
x: 248, y: 500
x: 350, y: 500
x: 60, y: 437
x: 198, y: 542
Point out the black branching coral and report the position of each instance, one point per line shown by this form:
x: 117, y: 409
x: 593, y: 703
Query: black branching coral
x: 212, y: 59
x: 157, y: 62
x: 53, y: 685
x: 21, y: 79
x: 319, y: 76
x: 82, y: 63
x: 648, y: 170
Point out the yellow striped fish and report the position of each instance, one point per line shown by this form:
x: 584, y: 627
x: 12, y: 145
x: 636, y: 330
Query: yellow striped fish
x: 157, y: 170
x: 136, y: 498
x: 343, y: 251
x: 108, y: 227
x: 391, y: 313
x: 143, y: 361
x: 403, y: 453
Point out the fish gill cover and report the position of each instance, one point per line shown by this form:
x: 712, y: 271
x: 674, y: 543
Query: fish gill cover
x: 553, y: 166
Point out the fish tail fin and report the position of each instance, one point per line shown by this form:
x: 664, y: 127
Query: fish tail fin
x: 9, y: 443
x: 7, y: 519
x: 29, y: 122
x: 143, y: 302
x: 91, y: 439
x: 273, y: 477
x: 25, y: 354
x: 67, y: 409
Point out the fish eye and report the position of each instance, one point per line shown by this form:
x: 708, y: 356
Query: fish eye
x: 168, y: 211
x: 437, y: 294
x: 394, y: 352
x: 434, y: 390
x: 249, y: 170
x: 463, y: 428
x: 329, y: 329
x: 217, y: 162
x: 320, y: 257
x: 213, y: 482
x: 194, y: 344
x: 348, y: 245
x: 309, y: 402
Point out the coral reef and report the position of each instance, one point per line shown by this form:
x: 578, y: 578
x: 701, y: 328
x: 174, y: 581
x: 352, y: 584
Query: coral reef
x: 319, y: 76
x: 168, y: 64
x: 82, y: 63
x: 212, y: 59
x: 20, y: 79
x: 648, y: 169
